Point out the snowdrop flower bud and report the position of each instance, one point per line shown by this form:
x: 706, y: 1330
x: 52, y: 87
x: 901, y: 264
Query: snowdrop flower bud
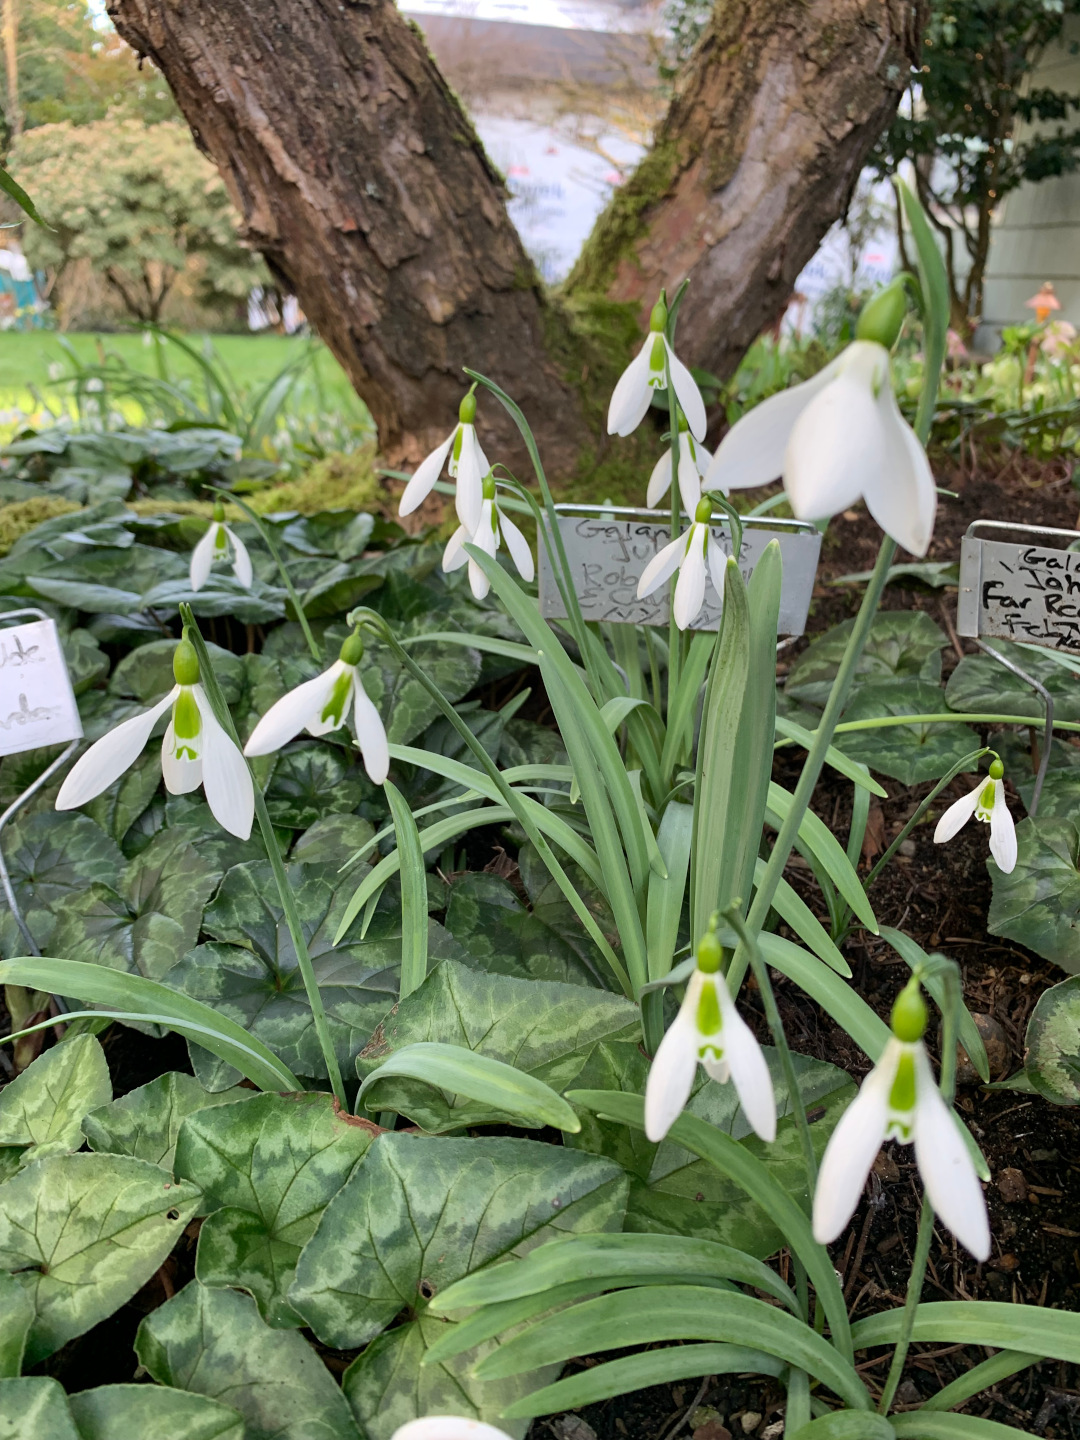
x: 321, y: 705
x: 195, y: 751
x: 467, y: 465
x: 694, y: 555
x: 899, y: 1100
x: 648, y: 371
x: 216, y: 545
x: 987, y: 803
x: 708, y: 1029
x: 840, y: 436
x: 448, y: 1427
x: 694, y: 460
x: 494, y: 527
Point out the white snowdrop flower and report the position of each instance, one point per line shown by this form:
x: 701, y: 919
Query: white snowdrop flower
x: 694, y: 460
x: 321, y: 705
x: 987, y: 803
x: 839, y: 437
x: 217, y: 544
x: 899, y: 1100
x: 495, y: 526
x: 195, y: 751
x: 467, y: 465
x: 648, y: 371
x: 695, y: 555
x: 448, y: 1427
x: 708, y: 1029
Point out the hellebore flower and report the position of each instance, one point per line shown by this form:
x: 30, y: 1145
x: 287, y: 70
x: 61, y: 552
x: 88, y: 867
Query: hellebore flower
x: 195, y: 751
x: 987, y: 803
x: 693, y: 462
x: 448, y: 1427
x: 216, y: 545
x: 648, y: 371
x: 708, y: 1029
x: 468, y: 466
x: 900, y: 1100
x: 321, y: 705
x: 692, y: 555
x: 494, y: 527
x: 840, y: 436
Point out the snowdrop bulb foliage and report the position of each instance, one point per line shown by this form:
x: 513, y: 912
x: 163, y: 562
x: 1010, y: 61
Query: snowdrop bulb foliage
x: 493, y: 529
x: 467, y: 465
x: 708, y: 1029
x: 694, y: 460
x: 899, y: 1100
x: 648, y: 371
x: 195, y: 751
x: 839, y: 437
x: 987, y: 803
x: 697, y: 557
x: 219, y: 543
x: 323, y: 704
x: 448, y: 1427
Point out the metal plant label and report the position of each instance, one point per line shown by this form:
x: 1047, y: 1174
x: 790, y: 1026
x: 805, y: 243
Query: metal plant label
x: 37, y: 703
x: 608, y: 550
x: 1025, y: 588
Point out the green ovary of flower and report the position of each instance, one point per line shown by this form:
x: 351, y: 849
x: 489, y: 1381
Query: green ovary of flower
x: 489, y: 486
x: 186, y: 724
x: 185, y: 664
x: 709, y: 1019
x: 659, y: 318
x: 902, y: 1094
x: 466, y: 414
x: 334, y: 708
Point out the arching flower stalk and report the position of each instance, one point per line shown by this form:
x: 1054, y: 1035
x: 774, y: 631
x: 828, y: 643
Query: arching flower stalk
x: 323, y: 704
x: 647, y: 372
x: 987, y: 803
x: 467, y: 464
x: 696, y: 555
x: 219, y: 544
x: 495, y: 526
x: 195, y: 751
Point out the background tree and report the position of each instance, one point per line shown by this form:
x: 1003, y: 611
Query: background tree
x: 141, y: 206
x: 957, y: 125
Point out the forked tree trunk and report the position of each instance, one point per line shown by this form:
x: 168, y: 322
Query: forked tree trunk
x: 360, y: 179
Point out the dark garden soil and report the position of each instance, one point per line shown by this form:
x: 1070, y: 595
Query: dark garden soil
x: 939, y: 896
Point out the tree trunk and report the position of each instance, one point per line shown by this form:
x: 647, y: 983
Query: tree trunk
x: 360, y: 179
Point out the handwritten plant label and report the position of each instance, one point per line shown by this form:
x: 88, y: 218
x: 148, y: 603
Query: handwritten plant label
x: 608, y: 553
x: 1020, y: 591
x: 37, y: 704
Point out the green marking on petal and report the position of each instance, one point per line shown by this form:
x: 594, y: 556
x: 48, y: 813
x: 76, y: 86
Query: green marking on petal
x: 459, y: 436
x: 187, y: 724
x: 334, y: 708
x: 709, y: 1020
x: 902, y: 1094
x: 656, y: 359
x: 221, y: 541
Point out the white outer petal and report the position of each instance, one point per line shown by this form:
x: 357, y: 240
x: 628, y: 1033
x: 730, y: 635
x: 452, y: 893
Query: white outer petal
x: 957, y: 815
x: 852, y: 1147
x: 687, y: 394
x: 752, y: 452
x: 241, y: 560
x: 945, y: 1166
x: 631, y: 397
x: 749, y: 1070
x: 1002, y: 832
x: 454, y: 556
x: 470, y: 470
x: 659, y: 481
x: 181, y: 776
x: 691, y: 468
x: 424, y: 477
x: 289, y: 715
x: 226, y: 777
x: 202, y: 557
x: 902, y: 497
x: 671, y: 1074
x: 838, y: 445
x: 662, y: 566
x: 717, y: 567
x: 487, y: 540
x: 448, y: 1427
x: 690, y: 586
x: 109, y: 757
x: 518, y: 547
x: 370, y: 733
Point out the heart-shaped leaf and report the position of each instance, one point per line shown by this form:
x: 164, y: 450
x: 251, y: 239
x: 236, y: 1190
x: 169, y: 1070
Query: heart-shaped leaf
x: 979, y: 683
x: 125, y: 1412
x: 1053, y: 1043
x: 51, y: 858
x: 486, y: 915
x: 1038, y: 904
x: 909, y: 753
x: 903, y: 645
x: 16, y: 1317
x: 307, y: 773
x: 145, y: 1122
x: 34, y: 1407
x: 45, y: 1105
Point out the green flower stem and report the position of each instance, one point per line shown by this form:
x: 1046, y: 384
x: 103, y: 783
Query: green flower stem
x: 961, y: 765
x: 674, y: 633
x: 271, y: 544
x: 950, y: 717
x: 288, y: 904
x: 815, y: 760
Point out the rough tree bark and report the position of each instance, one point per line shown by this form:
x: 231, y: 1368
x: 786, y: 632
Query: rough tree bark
x: 362, y: 182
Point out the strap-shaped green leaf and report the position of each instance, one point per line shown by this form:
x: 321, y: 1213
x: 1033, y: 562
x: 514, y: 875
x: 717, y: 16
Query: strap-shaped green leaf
x: 793, y: 909
x: 414, y: 910
x: 453, y: 1067
x: 981, y: 1377
x: 819, y: 839
x: 846, y: 1425
x: 1054, y: 1333
x: 934, y: 1425
x: 835, y: 759
x: 836, y: 997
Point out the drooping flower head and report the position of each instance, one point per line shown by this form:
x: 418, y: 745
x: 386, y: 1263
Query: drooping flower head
x: 694, y: 460
x: 899, y: 1100
x: 648, y: 371
x: 195, y: 751
x: 467, y: 465
x: 839, y: 437
x: 217, y: 546
x: 696, y: 555
x: 495, y: 526
x: 987, y: 803
x: 323, y: 704
x: 710, y: 1031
